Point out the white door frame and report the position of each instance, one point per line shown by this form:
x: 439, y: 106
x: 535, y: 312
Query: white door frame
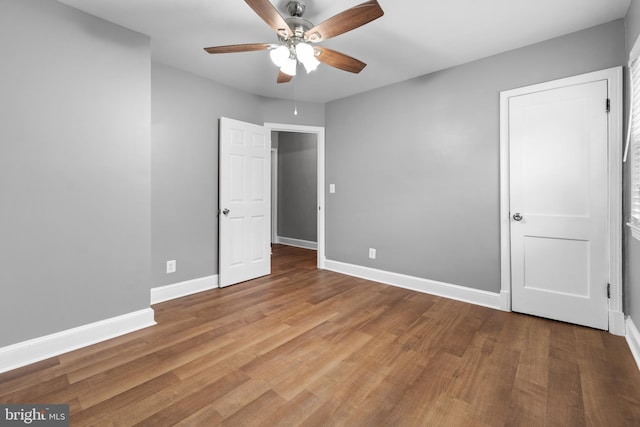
x: 319, y: 132
x: 613, y: 76
x: 274, y: 194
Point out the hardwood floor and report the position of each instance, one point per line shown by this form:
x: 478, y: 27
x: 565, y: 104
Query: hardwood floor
x: 316, y: 348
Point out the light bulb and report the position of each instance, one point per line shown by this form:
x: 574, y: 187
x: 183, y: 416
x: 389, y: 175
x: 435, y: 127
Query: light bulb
x: 289, y: 67
x: 280, y: 55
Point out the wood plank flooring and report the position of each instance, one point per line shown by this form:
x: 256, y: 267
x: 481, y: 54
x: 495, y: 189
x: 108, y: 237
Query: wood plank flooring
x: 305, y: 347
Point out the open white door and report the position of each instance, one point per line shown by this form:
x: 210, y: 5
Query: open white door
x: 244, y: 197
x: 558, y: 142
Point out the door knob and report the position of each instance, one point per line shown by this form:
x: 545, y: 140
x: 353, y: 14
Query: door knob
x: 517, y: 216
x: 226, y: 211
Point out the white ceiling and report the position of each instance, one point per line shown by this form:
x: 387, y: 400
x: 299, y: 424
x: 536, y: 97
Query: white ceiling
x: 414, y: 37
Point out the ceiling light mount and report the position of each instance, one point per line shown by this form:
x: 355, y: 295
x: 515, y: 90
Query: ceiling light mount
x: 296, y: 8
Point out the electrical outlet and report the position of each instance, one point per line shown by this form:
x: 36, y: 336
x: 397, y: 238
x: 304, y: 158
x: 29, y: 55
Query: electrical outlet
x: 171, y: 266
x: 372, y: 253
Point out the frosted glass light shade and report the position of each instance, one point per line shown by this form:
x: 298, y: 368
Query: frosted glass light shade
x: 304, y: 52
x: 307, y: 56
x: 280, y: 55
x: 289, y: 67
x: 311, y: 64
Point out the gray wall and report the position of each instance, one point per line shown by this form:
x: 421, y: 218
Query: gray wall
x: 184, y: 159
x: 631, y: 248
x: 184, y: 169
x: 91, y: 211
x: 416, y: 164
x: 74, y: 169
x: 297, y: 186
x: 281, y: 111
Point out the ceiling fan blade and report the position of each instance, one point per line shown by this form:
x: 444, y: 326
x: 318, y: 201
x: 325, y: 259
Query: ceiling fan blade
x: 271, y: 16
x: 283, y: 77
x: 233, y: 48
x: 345, y: 21
x: 339, y: 60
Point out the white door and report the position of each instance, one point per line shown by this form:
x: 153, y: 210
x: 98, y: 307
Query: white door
x: 245, y: 194
x: 558, y: 203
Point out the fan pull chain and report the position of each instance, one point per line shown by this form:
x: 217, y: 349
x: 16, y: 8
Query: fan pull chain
x: 295, y: 98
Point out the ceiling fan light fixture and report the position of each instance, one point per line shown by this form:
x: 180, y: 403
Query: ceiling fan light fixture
x: 296, y: 33
x: 289, y: 67
x: 280, y: 55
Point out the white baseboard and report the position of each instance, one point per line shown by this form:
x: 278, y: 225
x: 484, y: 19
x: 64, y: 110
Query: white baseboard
x: 37, y: 349
x: 633, y: 339
x: 456, y: 292
x: 305, y: 244
x: 617, y: 324
x: 182, y: 289
x: 505, y: 300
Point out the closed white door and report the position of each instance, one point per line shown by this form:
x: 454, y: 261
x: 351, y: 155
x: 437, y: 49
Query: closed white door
x: 558, y: 203
x: 244, y: 197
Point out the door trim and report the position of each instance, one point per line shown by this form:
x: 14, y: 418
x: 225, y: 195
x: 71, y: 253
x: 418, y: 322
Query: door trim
x: 613, y: 76
x: 319, y: 132
x: 274, y: 195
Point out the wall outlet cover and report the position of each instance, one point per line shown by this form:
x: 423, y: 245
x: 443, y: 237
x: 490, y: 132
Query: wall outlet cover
x: 171, y: 266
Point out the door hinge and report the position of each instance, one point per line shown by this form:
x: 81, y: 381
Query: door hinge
x: 608, y: 105
x: 609, y: 290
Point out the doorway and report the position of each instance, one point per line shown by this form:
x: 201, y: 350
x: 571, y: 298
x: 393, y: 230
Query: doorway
x: 560, y: 220
x: 294, y: 186
x: 245, y: 198
x: 318, y: 132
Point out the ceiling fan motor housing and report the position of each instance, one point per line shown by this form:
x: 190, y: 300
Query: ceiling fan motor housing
x: 299, y: 26
x: 296, y: 22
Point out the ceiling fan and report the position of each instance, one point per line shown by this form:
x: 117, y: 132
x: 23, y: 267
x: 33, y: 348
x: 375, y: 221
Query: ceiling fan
x: 297, y: 35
